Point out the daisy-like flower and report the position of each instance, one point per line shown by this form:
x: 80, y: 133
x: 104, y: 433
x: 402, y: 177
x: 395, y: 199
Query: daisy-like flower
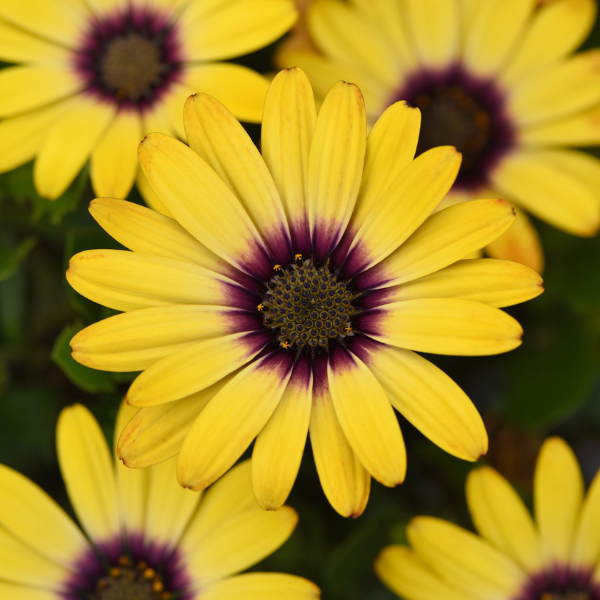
x: 93, y: 77
x: 497, y: 79
x: 557, y: 557
x: 149, y: 539
x: 287, y: 293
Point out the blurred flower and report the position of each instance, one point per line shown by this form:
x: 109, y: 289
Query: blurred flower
x: 98, y: 75
x: 555, y: 558
x: 150, y: 539
x: 496, y: 79
x: 289, y: 291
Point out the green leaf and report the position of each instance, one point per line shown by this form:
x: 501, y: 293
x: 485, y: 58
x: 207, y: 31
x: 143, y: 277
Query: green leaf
x: 11, y: 258
x: 87, y: 379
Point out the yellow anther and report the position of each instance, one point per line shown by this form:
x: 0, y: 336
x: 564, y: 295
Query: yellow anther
x: 260, y: 307
x: 165, y: 596
x: 157, y: 586
x: 348, y: 329
x: 149, y: 573
x: 298, y: 259
x: 142, y: 565
x: 123, y: 561
x: 285, y: 345
x: 115, y: 572
x: 277, y: 268
x: 101, y: 584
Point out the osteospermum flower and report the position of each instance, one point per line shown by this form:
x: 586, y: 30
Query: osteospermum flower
x: 557, y: 557
x: 496, y: 79
x: 93, y: 77
x: 288, y: 291
x: 149, y: 539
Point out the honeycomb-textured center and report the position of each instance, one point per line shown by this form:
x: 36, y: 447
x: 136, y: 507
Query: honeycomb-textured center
x: 130, y: 581
x: 131, y: 66
x: 307, y: 307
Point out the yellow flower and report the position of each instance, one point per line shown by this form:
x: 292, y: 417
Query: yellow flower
x: 93, y: 77
x: 496, y: 79
x: 287, y: 293
x: 555, y: 558
x: 150, y: 539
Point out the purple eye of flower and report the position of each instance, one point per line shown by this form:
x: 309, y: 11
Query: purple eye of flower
x: 130, y: 57
x: 565, y: 585
x: 460, y: 110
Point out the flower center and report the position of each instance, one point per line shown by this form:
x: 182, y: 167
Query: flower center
x: 131, y: 582
x: 581, y: 595
x: 131, y: 65
x: 460, y: 110
x: 130, y: 57
x: 307, y: 306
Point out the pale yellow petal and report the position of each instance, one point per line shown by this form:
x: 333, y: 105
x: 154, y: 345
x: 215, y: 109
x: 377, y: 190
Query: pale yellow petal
x: 87, y: 470
x: 279, y: 446
x: 367, y: 418
x: 37, y: 520
x: 16, y: 591
x: 502, y: 518
x: 549, y: 191
x: 408, y: 576
x: 558, y: 494
x: 428, y: 398
x: 156, y: 433
x: 194, y: 368
x: 458, y: 555
x: 68, y: 146
x: 585, y: 551
x: 289, y: 121
x: 345, y: 481
x: 197, y: 197
x: 18, y: 46
x: 336, y: 161
x: 114, y: 161
x: 261, y: 586
x: 150, y: 198
x: 232, y: 419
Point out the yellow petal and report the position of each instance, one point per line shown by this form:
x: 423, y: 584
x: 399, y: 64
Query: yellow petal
x: 68, y: 146
x: 22, y: 136
x: 586, y: 541
x: 459, y: 556
x: 18, y: 46
x: 335, y: 27
x: 408, y: 201
x: 443, y: 326
x: 519, y: 243
x: 239, y: 88
x: 558, y: 494
x: 238, y: 542
x: 279, y: 446
x: 495, y: 29
x: 194, y: 194
x: 408, y: 576
x: 142, y: 280
x: 444, y: 238
x: 434, y: 27
x: 114, y: 162
x: 233, y: 418
x: 559, y: 91
x: 87, y: 470
x: 289, y: 121
x: 219, y: 139
x: 335, y: 166
x: 428, y: 398
x: 170, y: 507
x: 262, y: 586
x: 150, y: 198
x: 391, y: 146
x: 156, y: 433
x: 556, y: 30
x: 194, y: 368
x: 132, y: 484
x: 549, y: 191
x: 22, y: 592
x: 494, y: 282
x: 227, y: 29
x: 134, y: 341
x: 345, y: 481
x: 367, y: 418
x: 502, y: 518
x: 36, y: 519
x: 47, y: 18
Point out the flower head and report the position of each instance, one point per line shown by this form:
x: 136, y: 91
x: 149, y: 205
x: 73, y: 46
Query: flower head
x: 92, y: 78
x: 288, y: 292
x: 557, y: 557
x: 150, y: 539
x: 496, y: 79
